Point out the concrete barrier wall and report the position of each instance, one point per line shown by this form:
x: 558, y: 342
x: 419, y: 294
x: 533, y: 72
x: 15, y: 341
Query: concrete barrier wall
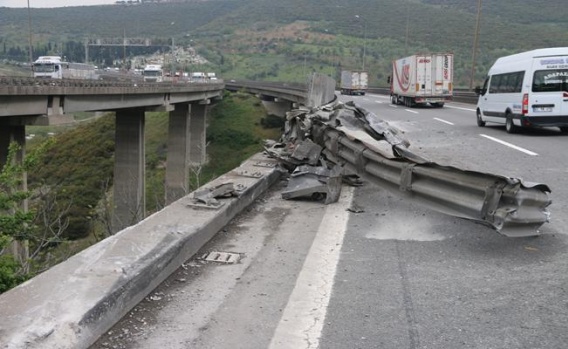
x: 72, y: 304
x: 321, y: 90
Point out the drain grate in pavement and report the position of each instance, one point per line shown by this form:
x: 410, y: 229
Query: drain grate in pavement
x: 222, y: 257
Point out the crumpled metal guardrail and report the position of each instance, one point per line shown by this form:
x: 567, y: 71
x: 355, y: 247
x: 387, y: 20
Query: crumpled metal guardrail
x: 368, y: 146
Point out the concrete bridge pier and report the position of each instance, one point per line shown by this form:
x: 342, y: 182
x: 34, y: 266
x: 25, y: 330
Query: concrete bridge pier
x: 177, y: 158
x: 197, y: 137
x: 129, y: 169
x: 186, y: 147
x: 8, y: 134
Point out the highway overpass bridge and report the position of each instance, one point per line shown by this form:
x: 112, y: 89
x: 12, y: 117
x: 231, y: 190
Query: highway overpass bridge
x: 26, y: 101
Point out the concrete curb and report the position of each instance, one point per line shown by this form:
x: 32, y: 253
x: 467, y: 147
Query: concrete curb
x: 72, y: 304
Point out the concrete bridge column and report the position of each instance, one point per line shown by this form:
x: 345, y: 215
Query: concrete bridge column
x: 9, y: 134
x: 197, y: 128
x: 177, y: 161
x: 129, y: 169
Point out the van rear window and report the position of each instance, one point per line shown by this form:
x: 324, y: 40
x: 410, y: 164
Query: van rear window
x: 550, y: 80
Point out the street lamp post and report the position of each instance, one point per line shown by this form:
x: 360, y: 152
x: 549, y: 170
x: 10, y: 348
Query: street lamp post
x: 475, y: 44
x: 364, y: 38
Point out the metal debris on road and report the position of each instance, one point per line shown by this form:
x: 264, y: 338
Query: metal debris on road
x: 208, y: 197
x: 356, y: 143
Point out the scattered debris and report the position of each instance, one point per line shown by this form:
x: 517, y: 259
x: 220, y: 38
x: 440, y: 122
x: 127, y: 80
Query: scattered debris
x: 311, y: 174
x: 355, y: 209
x: 208, y: 197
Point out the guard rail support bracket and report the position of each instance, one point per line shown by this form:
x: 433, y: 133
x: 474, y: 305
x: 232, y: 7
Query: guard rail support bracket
x: 360, y: 160
x: 491, y: 201
x: 406, y: 177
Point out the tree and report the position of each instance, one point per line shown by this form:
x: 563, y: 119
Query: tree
x: 17, y: 224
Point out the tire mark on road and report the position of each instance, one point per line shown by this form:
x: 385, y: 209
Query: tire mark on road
x: 408, y: 304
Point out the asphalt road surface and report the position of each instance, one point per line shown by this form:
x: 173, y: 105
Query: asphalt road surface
x: 375, y: 270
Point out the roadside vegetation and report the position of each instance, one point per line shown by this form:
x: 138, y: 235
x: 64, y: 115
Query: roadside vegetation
x: 288, y: 39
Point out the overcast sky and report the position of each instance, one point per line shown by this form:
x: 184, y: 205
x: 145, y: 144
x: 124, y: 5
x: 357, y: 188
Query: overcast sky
x: 53, y: 3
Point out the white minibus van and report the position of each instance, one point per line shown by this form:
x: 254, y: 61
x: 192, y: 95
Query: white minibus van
x: 528, y: 89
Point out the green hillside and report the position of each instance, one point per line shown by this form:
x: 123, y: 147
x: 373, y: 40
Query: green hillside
x: 285, y: 40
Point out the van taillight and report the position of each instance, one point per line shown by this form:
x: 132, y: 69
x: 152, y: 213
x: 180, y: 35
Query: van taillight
x: 525, y: 104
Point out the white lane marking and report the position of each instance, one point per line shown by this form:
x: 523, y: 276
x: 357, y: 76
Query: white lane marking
x: 302, y: 320
x: 460, y: 108
x: 411, y: 111
x: 526, y: 151
x: 392, y: 106
x: 380, y: 102
x: 444, y: 121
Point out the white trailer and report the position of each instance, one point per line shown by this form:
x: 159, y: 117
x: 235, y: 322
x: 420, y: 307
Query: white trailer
x: 52, y: 67
x: 354, y: 82
x: 198, y: 77
x: 422, y: 78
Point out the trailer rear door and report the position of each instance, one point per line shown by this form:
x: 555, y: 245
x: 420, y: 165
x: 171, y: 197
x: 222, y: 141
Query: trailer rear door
x: 424, y: 70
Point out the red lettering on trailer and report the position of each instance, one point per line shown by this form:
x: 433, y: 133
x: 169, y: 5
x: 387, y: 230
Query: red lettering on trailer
x: 424, y: 60
x: 446, y: 68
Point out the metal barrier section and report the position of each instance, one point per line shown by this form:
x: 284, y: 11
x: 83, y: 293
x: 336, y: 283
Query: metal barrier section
x: 369, y: 147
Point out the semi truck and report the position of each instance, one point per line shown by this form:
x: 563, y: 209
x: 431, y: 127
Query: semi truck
x: 153, y: 73
x: 53, y: 67
x: 354, y: 82
x: 422, y: 79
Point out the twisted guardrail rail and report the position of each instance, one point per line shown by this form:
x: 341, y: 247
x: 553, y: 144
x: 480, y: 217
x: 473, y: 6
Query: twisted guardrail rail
x: 363, y: 144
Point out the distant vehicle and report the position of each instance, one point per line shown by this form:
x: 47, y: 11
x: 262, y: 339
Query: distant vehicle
x: 354, y: 82
x: 52, y: 67
x: 528, y: 89
x: 422, y: 79
x: 211, y: 76
x: 153, y: 73
x: 198, y: 76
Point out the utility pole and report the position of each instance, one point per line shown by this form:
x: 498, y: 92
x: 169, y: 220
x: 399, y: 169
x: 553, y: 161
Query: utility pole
x: 30, y: 34
x: 475, y: 44
x: 364, y: 39
x: 406, y: 35
x: 124, y: 49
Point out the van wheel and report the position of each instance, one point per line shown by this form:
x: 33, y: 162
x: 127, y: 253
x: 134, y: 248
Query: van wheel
x: 393, y: 100
x: 509, y: 125
x: 480, y: 121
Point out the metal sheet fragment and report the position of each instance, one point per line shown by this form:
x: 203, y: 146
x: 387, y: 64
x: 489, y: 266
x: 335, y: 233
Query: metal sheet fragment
x: 207, y: 198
